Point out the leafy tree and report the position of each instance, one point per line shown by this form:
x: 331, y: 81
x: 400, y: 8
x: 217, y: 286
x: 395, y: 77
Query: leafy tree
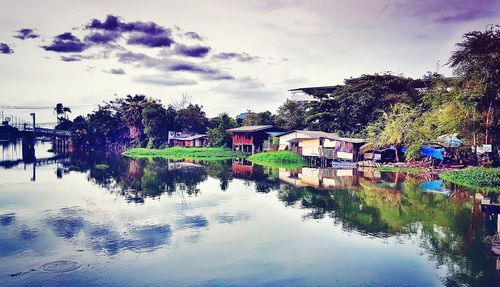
x: 477, y: 58
x: 156, y: 124
x: 258, y: 119
x: 291, y: 115
x: 79, y: 132
x: 349, y: 108
x: 192, y: 118
x: 218, y: 135
x: 130, y: 111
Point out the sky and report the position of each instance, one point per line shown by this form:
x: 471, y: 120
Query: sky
x: 227, y: 55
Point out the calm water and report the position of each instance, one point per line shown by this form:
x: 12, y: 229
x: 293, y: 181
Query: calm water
x: 66, y: 222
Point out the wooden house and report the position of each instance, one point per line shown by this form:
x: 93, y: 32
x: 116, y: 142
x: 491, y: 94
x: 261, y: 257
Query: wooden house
x: 322, y: 145
x: 253, y: 139
x: 187, y: 139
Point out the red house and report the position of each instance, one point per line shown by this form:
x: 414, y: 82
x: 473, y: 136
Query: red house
x: 251, y: 139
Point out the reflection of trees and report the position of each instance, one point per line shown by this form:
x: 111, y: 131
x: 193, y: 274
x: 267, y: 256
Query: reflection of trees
x: 450, y: 228
x: 149, y: 178
x: 220, y: 169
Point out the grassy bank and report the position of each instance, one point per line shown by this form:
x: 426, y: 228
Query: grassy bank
x: 284, y: 159
x: 207, y: 153
x: 475, y: 178
x: 401, y: 169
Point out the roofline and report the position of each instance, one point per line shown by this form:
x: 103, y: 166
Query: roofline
x: 264, y: 127
x: 312, y: 88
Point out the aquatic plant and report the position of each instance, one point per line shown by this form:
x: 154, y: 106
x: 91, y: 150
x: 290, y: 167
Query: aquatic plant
x: 284, y: 159
x: 209, y: 153
x: 475, y: 178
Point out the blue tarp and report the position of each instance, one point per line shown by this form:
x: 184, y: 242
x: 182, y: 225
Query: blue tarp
x: 432, y: 152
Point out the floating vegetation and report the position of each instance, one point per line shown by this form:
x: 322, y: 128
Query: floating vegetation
x: 475, y: 178
x: 280, y: 159
x: 207, y: 153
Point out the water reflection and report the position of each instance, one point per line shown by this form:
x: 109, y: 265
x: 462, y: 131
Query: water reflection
x: 153, y: 206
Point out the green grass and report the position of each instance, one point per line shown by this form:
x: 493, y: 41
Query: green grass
x: 205, y: 153
x: 475, y: 178
x: 401, y: 169
x: 102, y: 166
x: 283, y: 159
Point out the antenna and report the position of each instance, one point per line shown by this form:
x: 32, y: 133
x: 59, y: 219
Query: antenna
x: 437, y: 67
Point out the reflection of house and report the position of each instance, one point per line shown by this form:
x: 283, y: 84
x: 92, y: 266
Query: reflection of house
x: 318, y: 144
x: 187, y: 139
x: 320, y: 177
x: 252, y: 139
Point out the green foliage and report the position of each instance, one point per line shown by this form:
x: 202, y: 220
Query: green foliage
x: 101, y: 166
x: 285, y: 159
x: 290, y: 116
x: 156, y: 124
x: 218, y: 136
x: 358, y: 102
x: 210, y: 153
x: 192, y: 118
x: 477, y: 59
x: 475, y: 178
x: 257, y: 119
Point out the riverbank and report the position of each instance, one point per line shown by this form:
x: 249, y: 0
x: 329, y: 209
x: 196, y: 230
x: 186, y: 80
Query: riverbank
x: 208, y: 153
x: 410, y: 170
x: 475, y: 178
x: 280, y: 159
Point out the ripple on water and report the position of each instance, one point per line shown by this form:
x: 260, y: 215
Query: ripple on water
x: 60, y: 266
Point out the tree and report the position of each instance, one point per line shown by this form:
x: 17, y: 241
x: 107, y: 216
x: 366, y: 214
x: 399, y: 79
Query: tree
x: 130, y: 111
x: 61, y: 115
x: 79, y: 132
x: 349, y: 108
x: 156, y: 124
x: 259, y: 119
x: 291, y: 115
x: 477, y: 58
x: 192, y: 118
x: 218, y: 135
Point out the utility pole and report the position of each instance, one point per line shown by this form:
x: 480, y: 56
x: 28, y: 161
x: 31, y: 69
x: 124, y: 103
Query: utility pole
x: 33, y: 116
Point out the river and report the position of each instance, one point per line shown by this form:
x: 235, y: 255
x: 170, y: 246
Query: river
x: 104, y: 220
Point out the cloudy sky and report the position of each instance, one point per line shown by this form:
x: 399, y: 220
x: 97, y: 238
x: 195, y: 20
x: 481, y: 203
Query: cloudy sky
x: 228, y: 55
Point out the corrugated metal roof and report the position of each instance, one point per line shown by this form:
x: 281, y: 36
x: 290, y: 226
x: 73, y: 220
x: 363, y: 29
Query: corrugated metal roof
x: 189, y: 138
x: 249, y: 129
x: 321, y: 134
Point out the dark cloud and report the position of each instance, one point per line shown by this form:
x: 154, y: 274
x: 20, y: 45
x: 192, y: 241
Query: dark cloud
x: 26, y: 33
x: 70, y: 58
x: 149, y: 40
x: 466, y: 15
x: 164, y: 80
x: 66, y: 43
x: 192, y: 51
x: 102, y: 38
x: 147, y: 34
x: 172, y: 65
x: 5, y: 49
x: 193, y: 36
x: 118, y: 71
x: 242, y: 57
x: 446, y: 11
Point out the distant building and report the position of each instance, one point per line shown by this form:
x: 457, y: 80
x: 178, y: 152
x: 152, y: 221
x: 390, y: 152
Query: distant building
x: 252, y: 139
x: 305, y: 95
x: 187, y: 139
